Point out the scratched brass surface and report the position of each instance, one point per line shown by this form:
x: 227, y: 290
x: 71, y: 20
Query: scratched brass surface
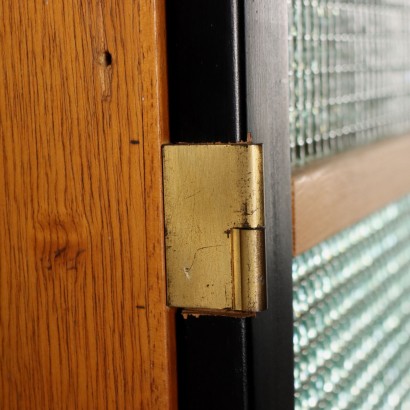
x: 209, y: 191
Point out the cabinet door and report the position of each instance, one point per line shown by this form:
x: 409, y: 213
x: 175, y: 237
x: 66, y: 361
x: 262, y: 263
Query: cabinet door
x: 334, y: 193
x: 83, y: 317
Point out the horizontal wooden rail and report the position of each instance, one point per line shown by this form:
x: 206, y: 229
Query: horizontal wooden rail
x: 332, y: 194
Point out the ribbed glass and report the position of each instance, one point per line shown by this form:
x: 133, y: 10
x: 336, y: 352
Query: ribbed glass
x: 352, y: 316
x: 349, y: 74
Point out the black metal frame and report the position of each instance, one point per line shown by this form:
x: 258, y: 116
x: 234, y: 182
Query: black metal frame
x: 267, y: 117
x: 218, y: 95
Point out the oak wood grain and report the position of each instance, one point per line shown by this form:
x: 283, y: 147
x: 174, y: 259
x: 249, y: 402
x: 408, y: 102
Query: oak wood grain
x: 83, y: 322
x: 334, y: 193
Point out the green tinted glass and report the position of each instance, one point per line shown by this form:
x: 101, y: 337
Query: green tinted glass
x: 352, y: 316
x: 349, y: 73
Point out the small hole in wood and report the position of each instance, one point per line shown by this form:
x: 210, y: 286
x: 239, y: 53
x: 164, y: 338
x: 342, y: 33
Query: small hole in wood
x: 106, y: 58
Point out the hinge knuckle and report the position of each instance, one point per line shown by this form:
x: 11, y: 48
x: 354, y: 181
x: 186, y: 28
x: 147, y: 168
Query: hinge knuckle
x: 248, y: 256
x: 214, y: 220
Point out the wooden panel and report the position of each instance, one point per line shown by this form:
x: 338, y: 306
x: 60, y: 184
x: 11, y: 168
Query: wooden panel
x: 83, y: 322
x: 332, y: 194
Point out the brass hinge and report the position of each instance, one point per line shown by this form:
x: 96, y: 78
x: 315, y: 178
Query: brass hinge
x: 214, y: 227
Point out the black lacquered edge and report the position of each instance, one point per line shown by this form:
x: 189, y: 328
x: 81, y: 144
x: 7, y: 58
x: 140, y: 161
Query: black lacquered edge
x: 267, y: 109
x: 207, y: 103
x: 206, y: 64
x: 213, y: 363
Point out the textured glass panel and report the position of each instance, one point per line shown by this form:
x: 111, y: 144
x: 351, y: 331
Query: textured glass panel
x: 349, y: 73
x: 352, y: 316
